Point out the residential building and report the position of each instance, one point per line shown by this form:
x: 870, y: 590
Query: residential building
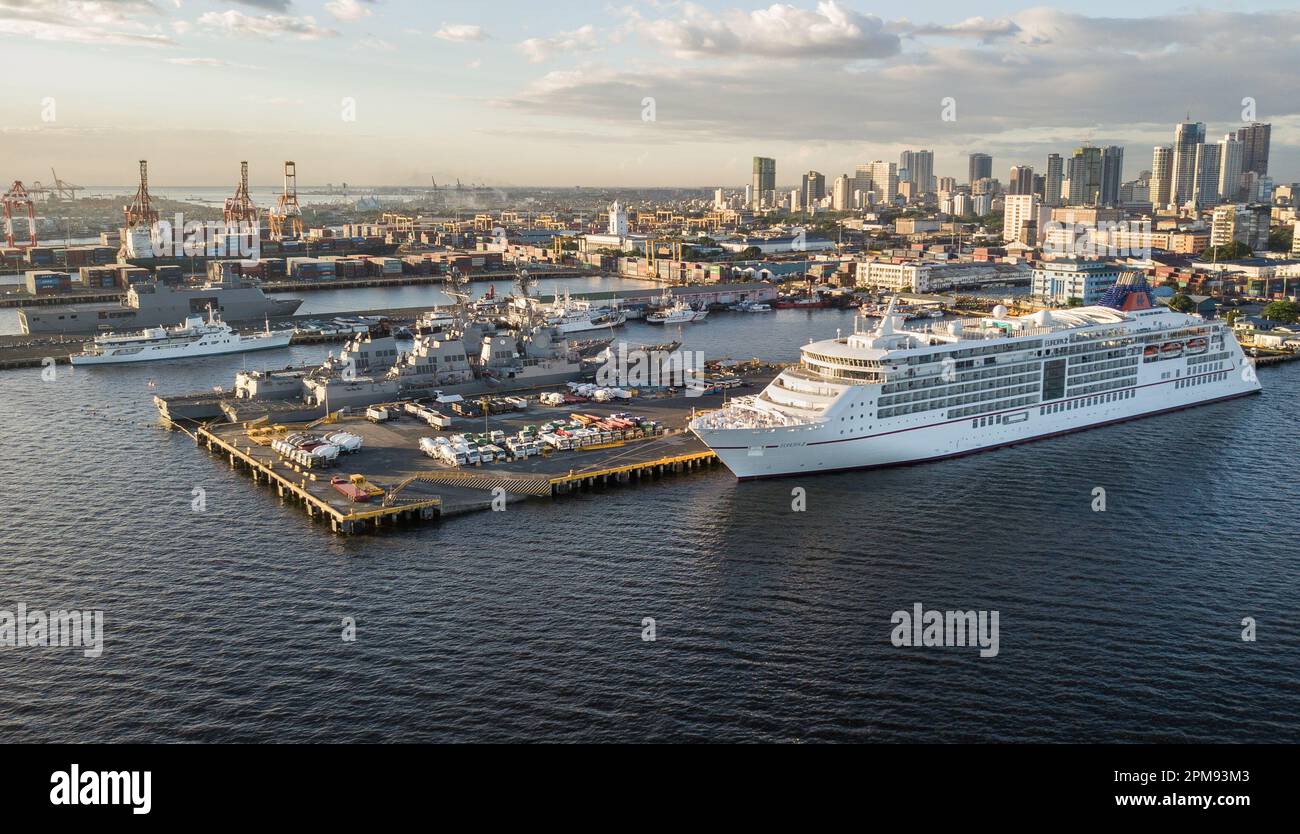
x: 764, y: 181
x: 1187, y: 137
x: 1064, y: 279
x: 1162, y: 163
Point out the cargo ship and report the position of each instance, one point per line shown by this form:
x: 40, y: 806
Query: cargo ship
x: 149, y: 304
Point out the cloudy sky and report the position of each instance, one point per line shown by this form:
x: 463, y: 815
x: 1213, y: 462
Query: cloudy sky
x: 521, y: 92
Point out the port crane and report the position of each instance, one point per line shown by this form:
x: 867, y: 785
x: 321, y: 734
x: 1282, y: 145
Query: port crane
x: 141, y: 211
x: 286, y: 208
x: 17, y: 197
x: 240, y: 208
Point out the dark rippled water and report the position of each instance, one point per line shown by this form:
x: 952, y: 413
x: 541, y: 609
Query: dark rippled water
x: 224, y: 625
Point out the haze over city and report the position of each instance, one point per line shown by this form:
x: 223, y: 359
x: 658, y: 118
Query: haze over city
x: 396, y: 92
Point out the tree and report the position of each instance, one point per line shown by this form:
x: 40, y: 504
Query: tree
x: 1073, y: 301
x: 1279, y: 240
x: 1182, y: 303
x: 1227, y: 252
x: 1286, y: 312
x: 1232, y: 317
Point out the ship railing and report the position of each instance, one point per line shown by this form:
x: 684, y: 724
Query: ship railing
x: 745, y: 415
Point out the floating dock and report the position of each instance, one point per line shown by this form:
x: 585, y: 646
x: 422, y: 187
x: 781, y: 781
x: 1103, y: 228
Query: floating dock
x: 412, y: 488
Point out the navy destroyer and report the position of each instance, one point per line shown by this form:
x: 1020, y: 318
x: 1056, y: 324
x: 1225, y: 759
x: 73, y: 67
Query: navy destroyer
x: 468, y: 354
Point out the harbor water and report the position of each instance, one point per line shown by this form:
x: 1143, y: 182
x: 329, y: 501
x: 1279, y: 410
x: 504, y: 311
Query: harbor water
x: 224, y: 607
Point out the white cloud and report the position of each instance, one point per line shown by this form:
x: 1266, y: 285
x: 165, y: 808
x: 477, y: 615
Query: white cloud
x: 1039, y: 81
x: 238, y: 24
x: 540, y: 49
x: 778, y: 31
x: 461, y: 32
x: 349, y: 10
x: 82, y: 21
x: 210, y: 62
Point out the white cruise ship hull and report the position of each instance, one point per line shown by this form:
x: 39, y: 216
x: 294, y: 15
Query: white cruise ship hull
x: 836, y: 446
x: 156, y: 353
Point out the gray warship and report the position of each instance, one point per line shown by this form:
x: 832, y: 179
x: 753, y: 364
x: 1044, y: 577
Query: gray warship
x: 468, y: 353
x: 149, y: 304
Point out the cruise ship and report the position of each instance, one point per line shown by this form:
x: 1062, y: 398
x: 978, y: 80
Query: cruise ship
x: 193, y: 338
x: 896, y: 395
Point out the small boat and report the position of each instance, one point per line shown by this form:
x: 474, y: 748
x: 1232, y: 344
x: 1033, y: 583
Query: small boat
x: 801, y: 302
x: 679, y: 313
x: 1170, y: 350
x: 752, y: 307
x: 1198, y: 345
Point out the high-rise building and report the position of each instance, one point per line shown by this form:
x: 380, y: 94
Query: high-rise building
x: 813, y: 187
x: 796, y: 199
x: 1021, y: 219
x: 764, y: 180
x: 842, y: 193
x: 1052, y: 182
x: 919, y: 168
x: 1161, y: 186
x: 1230, y: 156
x: 1112, y: 174
x: 1085, y: 176
x: 884, y: 180
x: 1040, y: 186
x: 947, y: 185
x: 1205, y: 190
x: 981, y: 167
x: 1187, y: 136
x: 1254, y: 147
x: 719, y: 202
x: 1021, y: 180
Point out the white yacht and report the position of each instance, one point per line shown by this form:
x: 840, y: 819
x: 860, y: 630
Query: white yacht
x: 569, y: 316
x: 894, y: 395
x: 679, y: 312
x: 194, y: 337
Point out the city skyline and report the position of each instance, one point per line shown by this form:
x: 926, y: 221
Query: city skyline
x: 397, y: 93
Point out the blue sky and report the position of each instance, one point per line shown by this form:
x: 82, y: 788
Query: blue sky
x: 528, y: 93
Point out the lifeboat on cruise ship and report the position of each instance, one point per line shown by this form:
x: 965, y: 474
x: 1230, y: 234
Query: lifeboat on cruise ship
x: 1150, y: 352
x: 1196, y: 346
x: 1170, y: 350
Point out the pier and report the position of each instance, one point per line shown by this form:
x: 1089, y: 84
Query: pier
x: 411, y: 488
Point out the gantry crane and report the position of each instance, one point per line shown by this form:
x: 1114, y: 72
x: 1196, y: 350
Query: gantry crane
x: 240, y: 208
x: 141, y: 211
x: 286, y: 208
x: 18, y: 198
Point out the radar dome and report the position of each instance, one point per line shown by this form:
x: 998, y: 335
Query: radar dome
x: 1000, y: 311
x: 1043, y: 318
